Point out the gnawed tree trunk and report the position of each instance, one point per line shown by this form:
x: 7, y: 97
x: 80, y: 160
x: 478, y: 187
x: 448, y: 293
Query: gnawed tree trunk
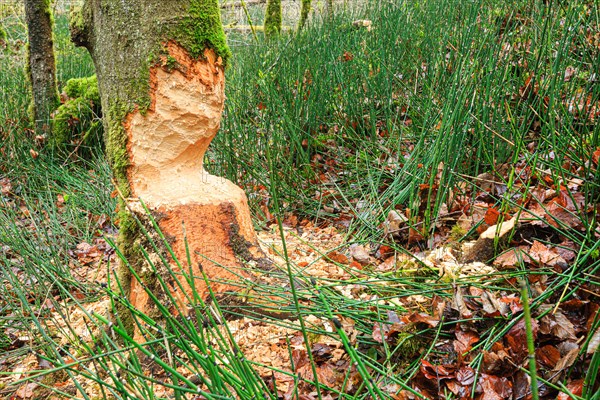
x: 304, y: 11
x: 41, y: 66
x: 273, y: 18
x: 160, y: 67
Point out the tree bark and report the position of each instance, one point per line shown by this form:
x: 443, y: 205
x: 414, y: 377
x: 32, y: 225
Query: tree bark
x: 329, y: 8
x: 41, y: 66
x: 240, y: 3
x: 160, y: 67
x: 304, y: 11
x: 273, y: 18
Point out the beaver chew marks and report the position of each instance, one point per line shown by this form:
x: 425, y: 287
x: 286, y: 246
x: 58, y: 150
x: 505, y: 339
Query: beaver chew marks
x: 168, y: 143
x: 166, y: 147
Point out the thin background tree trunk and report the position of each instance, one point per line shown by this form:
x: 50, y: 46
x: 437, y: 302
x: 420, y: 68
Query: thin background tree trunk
x: 273, y: 18
x: 329, y: 8
x: 304, y: 11
x: 41, y: 66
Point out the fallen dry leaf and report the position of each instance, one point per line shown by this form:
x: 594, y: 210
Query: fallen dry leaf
x: 426, y: 319
x: 395, y: 220
x: 556, y: 324
x: 564, y: 211
x: 569, y: 352
x: 516, y: 339
x: 436, y: 372
x: 26, y: 391
x: 513, y: 258
x: 492, y: 306
x: 493, y: 387
x: 87, y: 253
x: 360, y: 254
x: 5, y: 186
x: 497, y: 360
x: 546, y: 256
x: 496, y: 231
x: 337, y: 257
x: 594, y: 342
x: 458, y: 303
x: 547, y: 356
x: 464, y: 342
x: 575, y: 387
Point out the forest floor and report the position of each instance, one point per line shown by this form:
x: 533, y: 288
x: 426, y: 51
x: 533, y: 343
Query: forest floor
x: 471, y: 331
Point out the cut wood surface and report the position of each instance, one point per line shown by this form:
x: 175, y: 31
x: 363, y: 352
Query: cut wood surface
x: 167, y: 145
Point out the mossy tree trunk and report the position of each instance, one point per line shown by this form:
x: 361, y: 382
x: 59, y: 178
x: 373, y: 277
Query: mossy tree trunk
x: 273, y: 18
x: 329, y: 8
x: 304, y: 11
x: 160, y: 67
x: 41, y: 66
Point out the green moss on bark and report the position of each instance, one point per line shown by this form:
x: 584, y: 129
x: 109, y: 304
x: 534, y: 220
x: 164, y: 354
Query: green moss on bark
x: 273, y: 18
x: 116, y: 149
x: 77, y: 120
x: 304, y: 11
x: 116, y: 145
x: 77, y: 25
x: 128, y: 230
x: 76, y: 20
x: 83, y: 87
x: 202, y: 29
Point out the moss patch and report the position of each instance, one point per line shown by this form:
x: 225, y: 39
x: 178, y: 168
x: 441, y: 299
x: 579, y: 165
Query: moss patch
x: 83, y: 87
x: 409, y: 343
x: 304, y: 11
x: 77, y: 121
x: 116, y: 145
x: 202, y: 29
x: 116, y: 149
x: 273, y: 18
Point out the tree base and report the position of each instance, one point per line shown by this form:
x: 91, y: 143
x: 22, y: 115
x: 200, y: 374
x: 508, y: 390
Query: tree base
x: 210, y: 233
